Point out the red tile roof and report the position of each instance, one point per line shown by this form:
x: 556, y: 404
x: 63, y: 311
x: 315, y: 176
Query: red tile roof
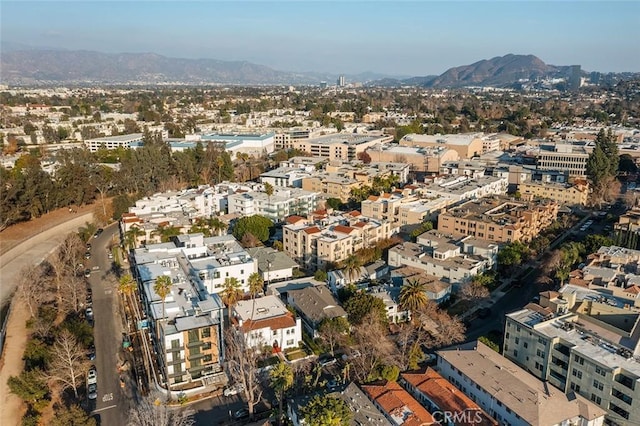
x: 360, y: 224
x: 294, y: 219
x: 397, y: 402
x: 632, y: 289
x: 448, y: 398
x: 312, y: 230
x: 343, y: 229
x: 275, y: 323
x: 354, y: 213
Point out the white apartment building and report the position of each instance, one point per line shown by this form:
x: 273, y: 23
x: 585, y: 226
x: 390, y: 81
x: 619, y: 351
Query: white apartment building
x: 511, y: 395
x: 266, y: 321
x: 284, y: 202
x: 205, y: 261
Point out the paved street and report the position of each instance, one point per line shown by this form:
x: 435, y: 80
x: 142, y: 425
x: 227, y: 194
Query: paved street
x: 112, y: 405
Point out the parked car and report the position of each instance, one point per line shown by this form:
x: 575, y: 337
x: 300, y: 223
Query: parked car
x: 98, y: 232
x: 89, y: 313
x: 92, y: 391
x: 87, y: 273
x: 91, y: 354
x: 87, y: 255
x: 92, y: 375
x: 233, y: 390
x: 332, y: 385
x: 242, y: 413
x: 88, y: 246
x: 326, y: 359
x: 110, y: 254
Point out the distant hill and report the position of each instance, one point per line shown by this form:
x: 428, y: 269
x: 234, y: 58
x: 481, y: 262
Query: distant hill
x: 501, y: 71
x: 25, y: 65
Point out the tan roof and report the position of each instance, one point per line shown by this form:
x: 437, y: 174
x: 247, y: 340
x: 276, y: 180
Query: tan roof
x: 535, y: 402
x: 343, y: 229
x: 446, y: 397
x: 399, y: 404
x: 312, y: 230
x: 275, y: 323
x: 293, y: 219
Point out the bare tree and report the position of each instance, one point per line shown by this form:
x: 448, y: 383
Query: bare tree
x: 333, y: 331
x: 408, y: 340
x: 474, y: 291
x: 150, y: 411
x: 65, y: 260
x: 74, y: 293
x: 242, y: 364
x: 442, y: 329
x: 373, y: 344
x: 31, y: 290
x: 68, y: 362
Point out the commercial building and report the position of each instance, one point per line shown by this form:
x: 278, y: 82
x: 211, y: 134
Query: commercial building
x: 511, y: 395
x: 499, y: 219
x: 467, y: 145
x: 421, y: 159
x: 341, y: 146
x: 113, y: 142
x: 249, y: 143
x: 266, y: 321
x: 564, y: 156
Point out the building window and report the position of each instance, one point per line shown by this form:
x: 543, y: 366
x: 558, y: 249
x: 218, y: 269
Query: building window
x: 575, y: 387
x: 578, y: 359
x: 525, y: 344
x: 515, y: 353
x: 576, y: 373
x: 598, y: 385
x: 540, y: 353
x: 601, y: 371
x: 595, y: 398
x: 290, y: 342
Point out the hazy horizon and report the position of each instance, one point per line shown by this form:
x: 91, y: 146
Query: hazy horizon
x: 350, y: 37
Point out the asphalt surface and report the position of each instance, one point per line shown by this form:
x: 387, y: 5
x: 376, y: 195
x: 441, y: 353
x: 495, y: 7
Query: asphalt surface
x: 111, y: 406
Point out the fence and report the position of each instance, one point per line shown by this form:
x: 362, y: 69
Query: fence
x: 3, y: 330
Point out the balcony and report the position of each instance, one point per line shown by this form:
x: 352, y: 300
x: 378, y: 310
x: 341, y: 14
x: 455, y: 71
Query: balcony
x: 621, y: 396
x: 196, y: 343
x: 625, y: 381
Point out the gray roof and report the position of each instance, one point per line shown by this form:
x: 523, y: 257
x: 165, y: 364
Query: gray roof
x: 316, y: 303
x: 267, y: 255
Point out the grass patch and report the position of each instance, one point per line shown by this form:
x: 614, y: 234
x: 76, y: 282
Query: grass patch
x: 313, y: 346
x: 296, y: 354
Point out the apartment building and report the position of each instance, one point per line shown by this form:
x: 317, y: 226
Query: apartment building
x: 467, y: 145
x: 564, y: 156
x: 188, y: 333
x: 366, y: 173
x: 438, y: 289
x: 627, y: 228
x: 570, y: 194
x: 282, y: 203
x: 205, y: 261
x: 285, y: 176
x: 464, y: 187
x: 509, y: 394
x: 266, y: 321
x: 584, y: 343
x: 314, y: 243
x: 499, y: 219
x: 341, y: 146
x: 331, y: 185
x: 404, y: 208
x: 449, y: 406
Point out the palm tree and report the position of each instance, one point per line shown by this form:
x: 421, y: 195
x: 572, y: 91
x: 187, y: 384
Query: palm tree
x: 351, y: 267
x: 256, y: 284
x: 162, y: 287
x: 217, y: 226
x: 281, y: 380
x: 268, y: 189
x: 166, y: 232
x: 126, y: 286
x: 231, y: 293
x: 131, y: 237
x: 413, y: 295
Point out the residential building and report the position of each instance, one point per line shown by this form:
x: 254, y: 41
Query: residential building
x: 398, y: 406
x: 363, y: 411
x: 583, y: 340
x: 331, y: 185
x: 282, y: 203
x: 266, y: 321
x: 273, y: 265
x: 464, y: 187
x: 499, y: 219
x: 438, y: 289
x: 467, y: 145
x: 285, y: 177
x: 206, y: 261
x: 627, y: 228
x: 314, y: 304
x: 113, y: 142
x: 511, y: 395
x: 338, y: 279
x: 389, y: 295
x: 315, y: 242
x: 571, y: 194
x: 448, y: 405
x: 564, y: 156
x: 187, y: 334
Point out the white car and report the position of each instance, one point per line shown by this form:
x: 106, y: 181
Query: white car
x: 233, y: 390
x: 92, y: 376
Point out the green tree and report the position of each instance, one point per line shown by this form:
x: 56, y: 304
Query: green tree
x: 256, y: 225
x: 281, y: 378
x: 334, y: 203
x: 231, y: 294
x: 268, y: 189
x: 31, y: 388
x: 389, y: 373
x: 593, y: 242
x: 131, y: 237
x: 36, y: 354
x: 360, y: 304
x: 490, y: 343
x: 72, y: 416
x: 320, y: 275
x: 121, y: 204
x: 413, y: 295
x: 162, y: 287
x: 217, y: 226
x: 326, y: 411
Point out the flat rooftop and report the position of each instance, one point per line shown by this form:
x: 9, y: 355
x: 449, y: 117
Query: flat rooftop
x: 265, y: 307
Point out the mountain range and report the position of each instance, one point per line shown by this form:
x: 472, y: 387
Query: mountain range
x: 42, y: 66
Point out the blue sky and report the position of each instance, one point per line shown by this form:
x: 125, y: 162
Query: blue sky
x: 401, y: 38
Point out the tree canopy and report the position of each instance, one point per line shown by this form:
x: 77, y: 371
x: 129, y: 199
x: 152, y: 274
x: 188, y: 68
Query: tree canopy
x: 258, y: 226
x: 326, y: 411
